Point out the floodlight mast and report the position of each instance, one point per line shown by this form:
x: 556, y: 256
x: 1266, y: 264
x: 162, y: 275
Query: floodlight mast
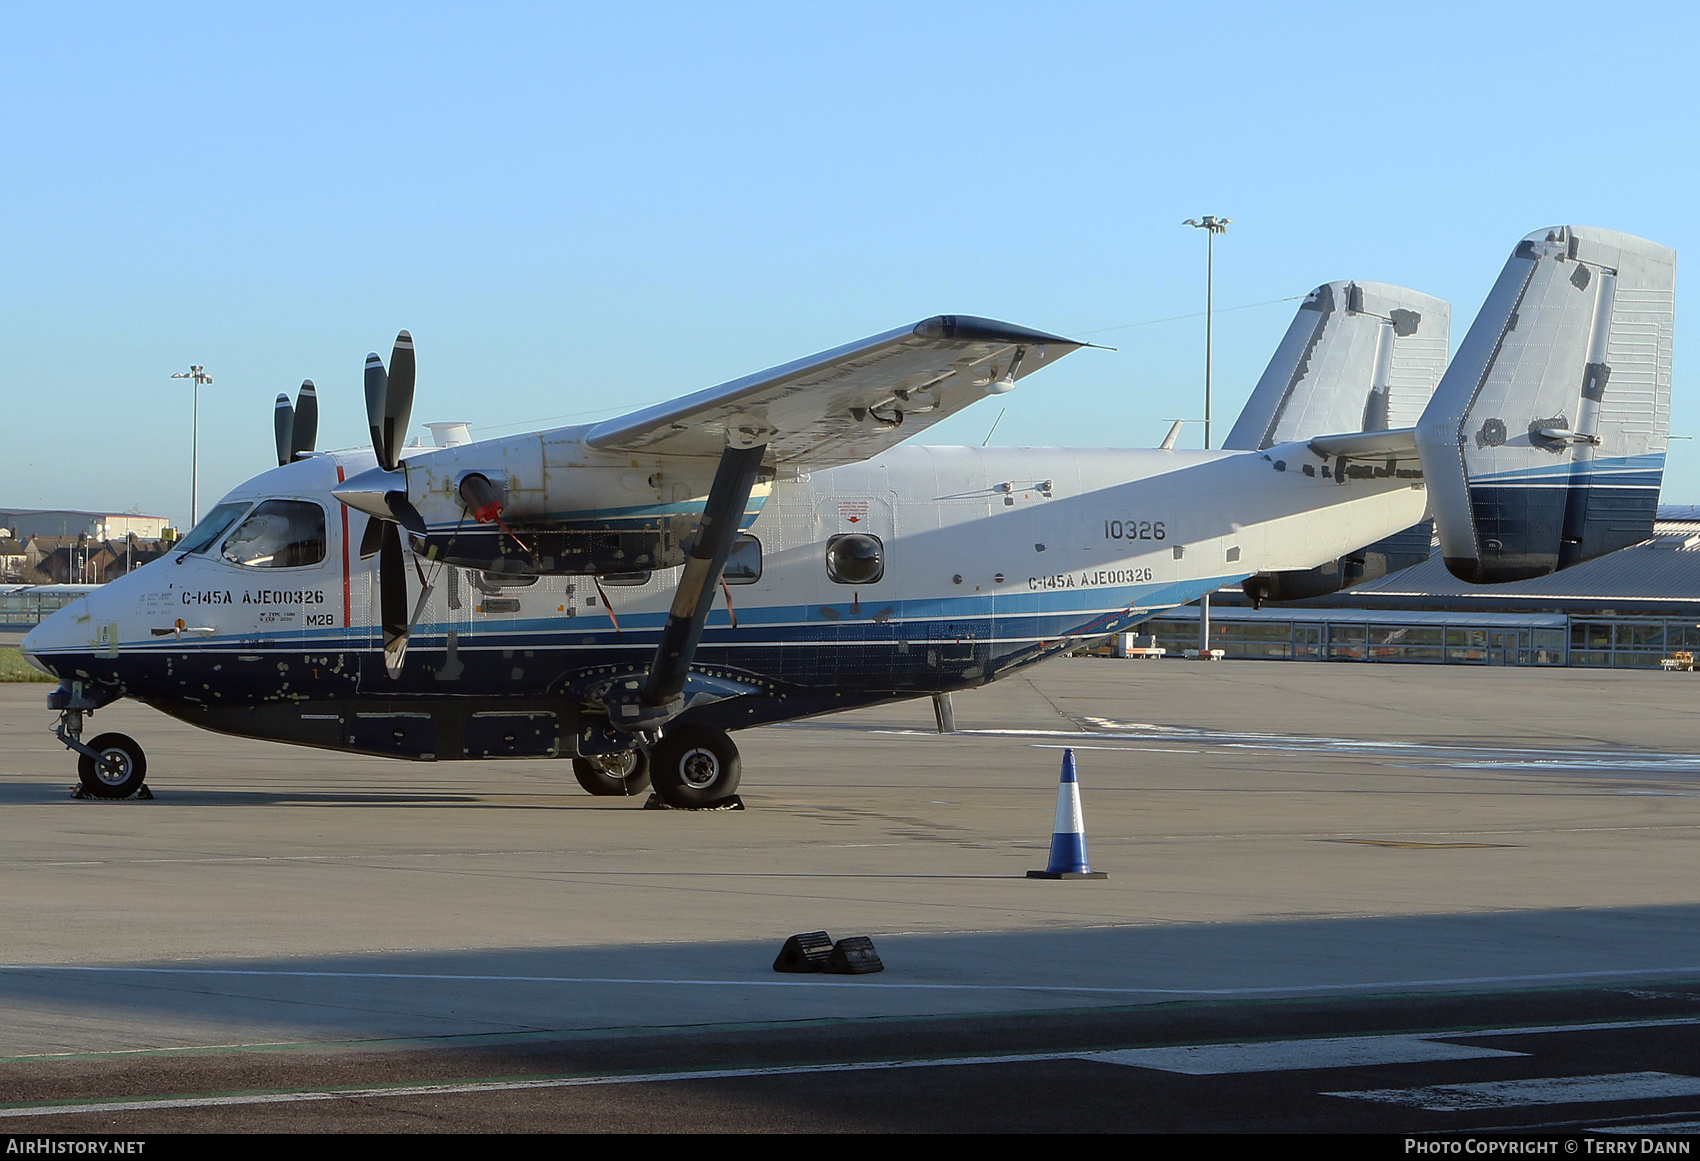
x: 198, y: 375
x: 1211, y: 225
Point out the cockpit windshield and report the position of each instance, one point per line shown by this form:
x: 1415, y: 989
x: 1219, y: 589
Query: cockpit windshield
x: 212, y: 526
x: 279, y: 534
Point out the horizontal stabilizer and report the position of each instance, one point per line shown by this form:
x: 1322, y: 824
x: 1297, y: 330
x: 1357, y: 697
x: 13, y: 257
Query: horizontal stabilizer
x: 1359, y: 356
x: 1544, y: 444
x: 1400, y: 443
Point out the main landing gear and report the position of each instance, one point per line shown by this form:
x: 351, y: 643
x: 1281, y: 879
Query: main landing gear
x: 690, y: 767
x: 694, y: 766
x: 620, y: 774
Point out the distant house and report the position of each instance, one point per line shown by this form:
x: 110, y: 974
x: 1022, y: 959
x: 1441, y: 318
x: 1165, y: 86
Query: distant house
x: 85, y: 560
x: 12, y: 555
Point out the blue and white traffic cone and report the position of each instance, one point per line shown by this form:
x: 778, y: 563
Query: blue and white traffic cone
x: 1068, y: 835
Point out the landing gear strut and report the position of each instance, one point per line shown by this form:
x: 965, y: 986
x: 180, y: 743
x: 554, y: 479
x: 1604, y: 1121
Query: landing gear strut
x: 694, y: 766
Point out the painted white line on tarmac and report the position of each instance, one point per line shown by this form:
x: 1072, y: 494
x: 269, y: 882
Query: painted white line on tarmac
x: 1275, y: 1056
x: 1292, y: 1055
x: 1647, y: 1128
x: 1548, y: 1090
x: 279, y: 1098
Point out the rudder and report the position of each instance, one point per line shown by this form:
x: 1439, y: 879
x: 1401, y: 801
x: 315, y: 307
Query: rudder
x: 1544, y: 444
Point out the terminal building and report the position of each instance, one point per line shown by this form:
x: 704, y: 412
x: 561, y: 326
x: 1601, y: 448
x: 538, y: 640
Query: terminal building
x: 1630, y: 609
x: 24, y: 523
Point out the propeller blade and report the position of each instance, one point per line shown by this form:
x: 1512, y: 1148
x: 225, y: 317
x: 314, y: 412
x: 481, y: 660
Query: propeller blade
x: 377, y: 398
x: 389, y: 400
x: 405, y: 513
x: 372, y: 539
x: 392, y: 598
x: 399, y: 405
x: 283, y: 424
x: 306, y: 431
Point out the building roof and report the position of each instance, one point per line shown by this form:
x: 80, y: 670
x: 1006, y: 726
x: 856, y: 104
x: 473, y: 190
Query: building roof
x: 1311, y: 614
x: 8, y: 512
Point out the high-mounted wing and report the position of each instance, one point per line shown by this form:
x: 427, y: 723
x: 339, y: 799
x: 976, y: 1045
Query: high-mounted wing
x: 846, y: 404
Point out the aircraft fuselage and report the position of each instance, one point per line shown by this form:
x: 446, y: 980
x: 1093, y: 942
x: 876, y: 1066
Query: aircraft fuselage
x: 991, y: 559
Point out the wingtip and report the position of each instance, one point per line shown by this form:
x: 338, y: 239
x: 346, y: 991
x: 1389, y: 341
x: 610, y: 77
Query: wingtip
x: 967, y: 328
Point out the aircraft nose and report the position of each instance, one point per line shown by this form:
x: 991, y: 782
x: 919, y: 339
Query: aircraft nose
x: 34, y: 640
x: 54, y: 634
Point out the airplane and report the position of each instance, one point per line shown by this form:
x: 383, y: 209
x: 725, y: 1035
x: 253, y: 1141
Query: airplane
x: 554, y: 594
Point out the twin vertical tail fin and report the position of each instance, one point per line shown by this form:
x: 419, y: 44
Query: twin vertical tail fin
x: 1359, y: 356
x: 1544, y: 444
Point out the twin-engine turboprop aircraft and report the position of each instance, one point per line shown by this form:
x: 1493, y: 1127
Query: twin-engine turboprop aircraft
x: 554, y: 594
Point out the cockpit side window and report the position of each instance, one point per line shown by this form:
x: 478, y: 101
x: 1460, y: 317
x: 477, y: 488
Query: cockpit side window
x: 213, y: 525
x: 279, y: 534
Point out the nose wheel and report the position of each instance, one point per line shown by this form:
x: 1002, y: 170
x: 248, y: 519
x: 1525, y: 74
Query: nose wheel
x: 694, y: 766
x: 113, y: 767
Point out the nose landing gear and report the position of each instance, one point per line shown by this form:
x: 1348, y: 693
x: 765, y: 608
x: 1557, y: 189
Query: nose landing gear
x: 116, y: 769
x: 111, y: 766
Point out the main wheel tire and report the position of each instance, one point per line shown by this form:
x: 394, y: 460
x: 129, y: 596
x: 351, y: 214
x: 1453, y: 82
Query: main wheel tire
x: 621, y: 774
x: 119, y: 773
x: 694, y: 765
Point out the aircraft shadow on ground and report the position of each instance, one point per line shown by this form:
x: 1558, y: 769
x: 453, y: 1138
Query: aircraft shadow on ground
x: 464, y: 998
x: 35, y: 793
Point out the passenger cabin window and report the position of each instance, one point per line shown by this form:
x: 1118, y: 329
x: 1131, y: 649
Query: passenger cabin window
x: 213, y: 525
x: 855, y: 558
x: 743, y: 566
x: 279, y: 534
x: 495, y: 582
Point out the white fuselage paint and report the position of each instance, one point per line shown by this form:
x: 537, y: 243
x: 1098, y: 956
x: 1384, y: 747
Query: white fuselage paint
x: 1028, y: 544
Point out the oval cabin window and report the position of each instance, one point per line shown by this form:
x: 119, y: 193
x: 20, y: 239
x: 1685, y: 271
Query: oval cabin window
x: 855, y: 558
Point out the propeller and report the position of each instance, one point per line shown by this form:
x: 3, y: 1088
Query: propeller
x: 389, y: 400
x: 297, y: 426
x: 389, y: 409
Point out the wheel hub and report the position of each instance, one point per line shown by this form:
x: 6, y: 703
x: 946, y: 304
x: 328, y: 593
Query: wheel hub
x: 699, y: 768
x: 618, y: 765
x: 113, y: 767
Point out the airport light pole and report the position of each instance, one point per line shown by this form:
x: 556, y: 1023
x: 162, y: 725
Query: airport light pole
x: 1211, y: 225
x: 198, y: 375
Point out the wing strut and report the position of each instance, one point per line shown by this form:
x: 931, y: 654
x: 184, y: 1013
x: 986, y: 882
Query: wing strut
x: 662, y: 697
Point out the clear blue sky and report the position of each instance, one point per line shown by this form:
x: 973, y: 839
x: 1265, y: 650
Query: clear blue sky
x: 579, y: 210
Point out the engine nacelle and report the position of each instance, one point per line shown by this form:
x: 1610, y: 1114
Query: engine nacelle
x: 544, y: 504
